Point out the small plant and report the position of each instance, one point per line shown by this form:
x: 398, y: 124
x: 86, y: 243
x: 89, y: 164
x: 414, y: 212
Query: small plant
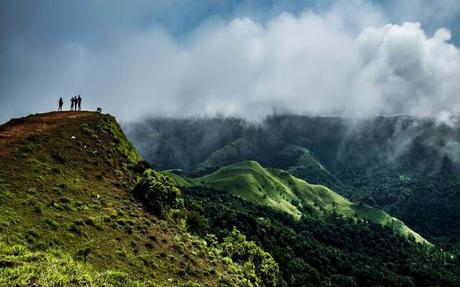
x: 37, y: 208
x: 54, y: 225
x: 75, y: 229
x: 26, y: 149
x: 31, y: 235
x: 58, y: 157
x: 96, y: 222
x: 84, y: 253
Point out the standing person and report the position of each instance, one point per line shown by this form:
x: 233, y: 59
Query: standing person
x: 79, y: 102
x: 61, y: 103
x: 72, y: 103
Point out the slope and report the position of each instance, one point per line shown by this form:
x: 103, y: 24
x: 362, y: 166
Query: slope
x: 407, y: 166
x: 282, y: 191
x: 296, y: 160
x: 67, y: 215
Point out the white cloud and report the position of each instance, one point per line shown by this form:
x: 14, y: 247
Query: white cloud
x: 335, y: 62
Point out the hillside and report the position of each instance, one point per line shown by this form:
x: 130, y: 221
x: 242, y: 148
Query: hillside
x: 407, y: 166
x: 68, y: 217
x: 296, y: 160
x: 79, y: 207
x: 280, y: 190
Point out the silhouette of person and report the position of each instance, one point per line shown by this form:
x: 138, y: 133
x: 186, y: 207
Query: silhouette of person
x: 72, y: 103
x: 79, y: 102
x: 61, y: 103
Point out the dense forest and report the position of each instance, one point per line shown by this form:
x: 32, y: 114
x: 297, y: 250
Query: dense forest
x: 317, y: 251
x: 408, y: 166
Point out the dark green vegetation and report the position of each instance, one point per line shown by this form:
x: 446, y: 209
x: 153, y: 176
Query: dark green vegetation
x: 79, y: 207
x: 318, y: 237
x: 69, y: 217
x: 407, y: 166
x: 328, y: 250
x: 279, y: 190
x: 159, y: 193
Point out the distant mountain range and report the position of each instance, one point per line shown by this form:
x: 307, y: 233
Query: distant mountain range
x: 410, y: 167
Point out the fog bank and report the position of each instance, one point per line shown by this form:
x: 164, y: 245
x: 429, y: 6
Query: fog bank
x: 343, y: 60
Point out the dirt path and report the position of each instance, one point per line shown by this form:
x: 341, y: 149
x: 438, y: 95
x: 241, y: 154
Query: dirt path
x: 17, y: 129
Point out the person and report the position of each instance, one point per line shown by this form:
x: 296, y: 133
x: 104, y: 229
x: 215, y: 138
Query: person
x: 61, y: 103
x: 79, y: 102
x: 72, y: 103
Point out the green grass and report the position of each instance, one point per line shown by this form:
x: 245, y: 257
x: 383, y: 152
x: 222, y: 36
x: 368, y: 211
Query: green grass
x: 280, y: 190
x: 66, y: 197
x: 20, y: 266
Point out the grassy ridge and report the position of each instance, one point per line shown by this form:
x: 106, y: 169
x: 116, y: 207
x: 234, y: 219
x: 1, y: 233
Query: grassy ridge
x: 66, y: 182
x: 282, y: 191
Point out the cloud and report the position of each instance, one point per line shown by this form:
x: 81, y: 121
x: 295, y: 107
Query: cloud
x: 408, y: 71
x: 336, y: 61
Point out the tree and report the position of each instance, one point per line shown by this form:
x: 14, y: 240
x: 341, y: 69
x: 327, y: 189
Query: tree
x: 159, y: 193
x: 251, y: 256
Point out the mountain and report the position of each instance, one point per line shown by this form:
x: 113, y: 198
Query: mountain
x: 317, y: 237
x: 68, y: 216
x: 407, y: 166
x: 279, y: 190
x: 80, y: 207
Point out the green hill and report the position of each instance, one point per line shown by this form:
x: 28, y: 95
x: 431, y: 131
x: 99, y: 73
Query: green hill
x: 296, y: 160
x: 68, y: 217
x: 301, y: 163
x: 280, y: 190
x: 406, y: 166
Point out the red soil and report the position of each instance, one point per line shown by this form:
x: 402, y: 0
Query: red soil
x: 20, y: 128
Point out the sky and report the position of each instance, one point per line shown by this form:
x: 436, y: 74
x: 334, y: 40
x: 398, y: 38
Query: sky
x: 179, y: 58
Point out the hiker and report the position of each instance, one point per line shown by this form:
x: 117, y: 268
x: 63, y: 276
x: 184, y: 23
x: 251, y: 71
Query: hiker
x: 79, y: 102
x: 72, y: 103
x: 61, y: 103
x: 99, y: 110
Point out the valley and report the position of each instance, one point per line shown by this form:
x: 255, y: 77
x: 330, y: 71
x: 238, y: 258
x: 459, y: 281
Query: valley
x: 80, y: 206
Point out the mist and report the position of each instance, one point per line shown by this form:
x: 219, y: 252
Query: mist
x: 344, y: 59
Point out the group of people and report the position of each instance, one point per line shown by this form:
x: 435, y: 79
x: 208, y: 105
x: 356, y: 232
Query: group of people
x: 75, y: 103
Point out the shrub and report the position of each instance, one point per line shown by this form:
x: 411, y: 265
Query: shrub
x: 196, y: 222
x: 52, y: 223
x: 159, y: 193
x: 253, y: 259
x: 31, y: 235
x: 75, y: 229
x: 141, y: 166
x: 345, y: 281
x: 58, y: 157
x: 83, y: 253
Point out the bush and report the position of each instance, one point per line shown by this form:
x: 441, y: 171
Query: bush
x: 253, y: 259
x: 345, y: 281
x: 141, y: 166
x: 52, y: 223
x: 159, y: 193
x: 58, y: 157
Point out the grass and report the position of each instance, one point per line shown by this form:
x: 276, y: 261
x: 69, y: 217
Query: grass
x: 21, y: 266
x: 66, y: 198
x: 280, y: 190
